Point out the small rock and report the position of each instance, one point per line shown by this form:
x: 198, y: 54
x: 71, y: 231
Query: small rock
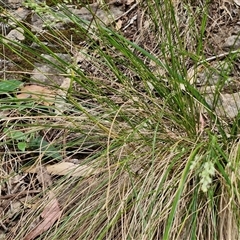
x: 232, y: 42
x: 37, y: 23
x: 228, y: 105
x: 218, y: 72
x: 15, y: 35
x: 48, y: 73
x: 12, y: 4
x: 20, y: 14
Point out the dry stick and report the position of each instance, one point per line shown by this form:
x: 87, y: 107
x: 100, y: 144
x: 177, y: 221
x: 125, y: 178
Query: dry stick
x: 20, y: 194
x: 130, y: 22
x: 218, y: 56
x: 129, y: 10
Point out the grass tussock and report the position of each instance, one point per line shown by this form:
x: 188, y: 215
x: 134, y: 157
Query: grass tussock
x: 165, y: 165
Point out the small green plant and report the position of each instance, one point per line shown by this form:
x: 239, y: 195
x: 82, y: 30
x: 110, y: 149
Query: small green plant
x: 17, y: 136
x: 206, y: 175
x: 8, y: 86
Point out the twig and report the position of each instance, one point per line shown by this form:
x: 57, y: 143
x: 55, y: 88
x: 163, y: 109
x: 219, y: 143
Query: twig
x: 17, y: 195
x: 218, y: 56
x: 129, y: 10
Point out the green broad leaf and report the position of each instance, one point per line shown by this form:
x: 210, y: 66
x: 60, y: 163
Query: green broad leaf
x: 9, y: 85
x: 18, y: 135
x: 49, y: 150
x: 15, y: 134
x: 22, y: 146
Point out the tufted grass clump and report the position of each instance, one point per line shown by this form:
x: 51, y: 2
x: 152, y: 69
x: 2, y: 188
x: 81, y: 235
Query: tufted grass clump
x: 164, y: 164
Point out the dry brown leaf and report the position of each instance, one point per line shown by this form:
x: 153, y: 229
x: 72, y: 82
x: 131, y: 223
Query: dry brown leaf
x: 202, y: 123
x: 71, y: 169
x: 118, y: 25
x: 43, y: 177
x: 190, y: 75
x: 68, y: 168
x: 237, y: 2
x: 128, y: 2
x: 60, y: 102
x: 39, y: 93
x: 50, y: 215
